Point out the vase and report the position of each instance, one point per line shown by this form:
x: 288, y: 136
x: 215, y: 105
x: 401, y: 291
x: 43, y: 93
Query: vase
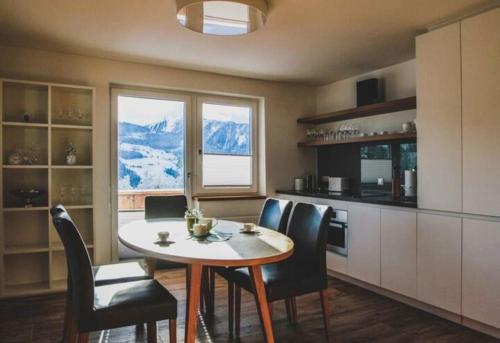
x: 70, y: 159
x: 190, y: 221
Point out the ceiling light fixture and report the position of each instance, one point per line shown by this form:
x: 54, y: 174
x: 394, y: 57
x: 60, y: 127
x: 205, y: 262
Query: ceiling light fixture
x: 223, y: 18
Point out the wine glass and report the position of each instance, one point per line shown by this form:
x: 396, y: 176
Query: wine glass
x: 74, y: 194
x: 63, y: 190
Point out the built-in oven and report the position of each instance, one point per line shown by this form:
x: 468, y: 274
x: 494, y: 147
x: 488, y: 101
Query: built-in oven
x: 337, y: 233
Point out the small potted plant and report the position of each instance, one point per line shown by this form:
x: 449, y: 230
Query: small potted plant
x: 192, y: 216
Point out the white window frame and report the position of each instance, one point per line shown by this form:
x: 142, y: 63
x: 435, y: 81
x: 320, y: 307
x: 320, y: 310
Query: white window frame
x: 117, y: 91
x: 199, y: 189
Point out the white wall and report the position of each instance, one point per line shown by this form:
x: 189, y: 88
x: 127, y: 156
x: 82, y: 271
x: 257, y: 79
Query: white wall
x: 283, y: 104
x: 400, y: 82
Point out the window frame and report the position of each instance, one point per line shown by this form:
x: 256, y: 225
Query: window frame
x: 198, y: 188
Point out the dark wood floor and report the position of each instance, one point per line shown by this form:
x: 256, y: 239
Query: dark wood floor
x: 356, y: 315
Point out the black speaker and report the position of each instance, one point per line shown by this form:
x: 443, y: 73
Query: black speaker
x: 369, y: 92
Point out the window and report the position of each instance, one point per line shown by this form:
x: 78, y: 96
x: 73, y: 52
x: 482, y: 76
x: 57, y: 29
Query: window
x: 226, y: 145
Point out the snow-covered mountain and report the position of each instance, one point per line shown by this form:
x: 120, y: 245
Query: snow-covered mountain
x: 151, y: 156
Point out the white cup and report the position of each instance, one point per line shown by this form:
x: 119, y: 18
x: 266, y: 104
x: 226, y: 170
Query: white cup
x: 163, y: 236
x: 209, y: 222
x: 200, y: 230
x: 248, y: 227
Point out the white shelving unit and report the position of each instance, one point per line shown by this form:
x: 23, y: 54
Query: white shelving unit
x: 32, y: 259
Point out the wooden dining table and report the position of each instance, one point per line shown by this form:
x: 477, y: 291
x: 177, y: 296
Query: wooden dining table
x: 227, y: 246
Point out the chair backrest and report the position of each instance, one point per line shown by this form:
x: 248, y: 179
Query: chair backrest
x: 308, y: 230
x: 165, y: 206
x: 275, y: 214
x: 80, y: 276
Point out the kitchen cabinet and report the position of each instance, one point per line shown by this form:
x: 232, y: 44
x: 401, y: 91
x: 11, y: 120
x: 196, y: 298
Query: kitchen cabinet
x: 439, y: 261
x: 363, y: 260
x: 439, y: 119
x: 481, y: 113
x: 398, y: 247
x: 481, y: 271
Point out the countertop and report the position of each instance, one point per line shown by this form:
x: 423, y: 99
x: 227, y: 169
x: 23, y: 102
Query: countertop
x: 363, y: 197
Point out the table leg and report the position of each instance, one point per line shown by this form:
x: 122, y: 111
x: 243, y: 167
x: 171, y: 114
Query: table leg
x: 151, y: 262
x: 193, y: 302
x: 261, y: 300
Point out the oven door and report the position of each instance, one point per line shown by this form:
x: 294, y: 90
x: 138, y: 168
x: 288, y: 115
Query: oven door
x: 337, y: 237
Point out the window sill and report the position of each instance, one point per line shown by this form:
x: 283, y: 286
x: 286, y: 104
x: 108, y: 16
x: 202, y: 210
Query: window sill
x: 227, y: 197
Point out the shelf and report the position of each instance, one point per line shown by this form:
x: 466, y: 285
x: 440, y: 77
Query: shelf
x: 60, y: 247
x: 25, y: 249
x: 78, y: 207
x: 72, y: 127
x: 21, y: 209
x: 376, y: 138
x: 363, y: 111
x: 71, y: 167
x: 22, y: 124
x: 26, y: 289
x: 25, y: 166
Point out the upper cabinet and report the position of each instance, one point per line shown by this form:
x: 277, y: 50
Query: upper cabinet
x: 458, y: 116
x: 481, y: 113
x: 439, y: 120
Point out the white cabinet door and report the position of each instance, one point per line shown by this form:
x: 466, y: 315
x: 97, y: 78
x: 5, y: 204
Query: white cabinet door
x: 363, y: 261
x: 398, y: 248
x: 439, y: 119
x: 439, y: 261
x: 481, y: 271
x: 481, y: 113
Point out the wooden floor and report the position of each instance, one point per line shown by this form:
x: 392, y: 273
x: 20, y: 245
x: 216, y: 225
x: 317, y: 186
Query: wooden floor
x: 356, y: 315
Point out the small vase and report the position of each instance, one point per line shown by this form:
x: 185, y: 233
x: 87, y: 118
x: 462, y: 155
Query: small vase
x: 190, y: 221
x: 71, y: 159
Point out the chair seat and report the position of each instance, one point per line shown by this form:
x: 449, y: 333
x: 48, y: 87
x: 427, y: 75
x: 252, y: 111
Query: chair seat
x: 282, y: 280
x: 129, y: 303
x: 119, y: 272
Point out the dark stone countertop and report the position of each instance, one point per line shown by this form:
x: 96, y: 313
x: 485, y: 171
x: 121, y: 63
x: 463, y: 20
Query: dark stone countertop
x: 363, y: 197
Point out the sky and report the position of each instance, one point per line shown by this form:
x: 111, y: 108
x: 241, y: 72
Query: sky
x: 145, y: 111
x: 240, y: 115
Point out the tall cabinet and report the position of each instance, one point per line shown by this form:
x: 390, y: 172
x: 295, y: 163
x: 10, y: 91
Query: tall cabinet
x: 458, y: 118
x: 39, y: 122
x: 439, y: 120
x: 481, y: 113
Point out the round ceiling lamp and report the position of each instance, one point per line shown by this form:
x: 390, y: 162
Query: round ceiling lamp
x: 223, y: 18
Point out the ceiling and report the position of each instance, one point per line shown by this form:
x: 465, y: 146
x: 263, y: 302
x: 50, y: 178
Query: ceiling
x: 304, y: 41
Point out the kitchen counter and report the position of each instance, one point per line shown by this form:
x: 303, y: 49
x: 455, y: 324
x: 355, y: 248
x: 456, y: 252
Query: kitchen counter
x: 363, y: 197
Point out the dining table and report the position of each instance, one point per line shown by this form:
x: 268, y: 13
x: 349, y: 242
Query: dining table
x: 227, y: 245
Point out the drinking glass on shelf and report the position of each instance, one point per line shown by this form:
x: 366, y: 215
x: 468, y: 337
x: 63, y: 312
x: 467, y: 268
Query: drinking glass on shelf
x: 63, y: 190
x: 74, y: 192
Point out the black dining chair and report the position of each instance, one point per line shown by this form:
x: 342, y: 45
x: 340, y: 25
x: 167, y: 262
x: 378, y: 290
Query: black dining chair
x: 165, y: 206
x: 110, y: 305
x: 274, y: 216
x: 303, y: 273
x: 104, y: 275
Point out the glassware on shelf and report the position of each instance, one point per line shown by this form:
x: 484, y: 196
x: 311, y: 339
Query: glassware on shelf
x: 74, y: 194
x: 63, y: 191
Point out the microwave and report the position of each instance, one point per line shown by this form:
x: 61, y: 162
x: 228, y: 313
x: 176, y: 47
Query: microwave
x: 338, y: 184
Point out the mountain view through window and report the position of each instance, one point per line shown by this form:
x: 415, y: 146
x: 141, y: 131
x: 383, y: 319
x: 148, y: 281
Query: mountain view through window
x: 151, y: 138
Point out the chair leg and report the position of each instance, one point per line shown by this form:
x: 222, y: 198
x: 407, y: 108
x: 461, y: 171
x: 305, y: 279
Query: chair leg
x: 288, y: 306
x: 324, y: 307
x: 204, y: 290
x: 237, y: 310
x: 211, y: 277
x: 152, y: 332
x: 293, y: 303
x: 230, y: 307
x: 83, y: 337
x: 270, y: 305
x: 172, y: 330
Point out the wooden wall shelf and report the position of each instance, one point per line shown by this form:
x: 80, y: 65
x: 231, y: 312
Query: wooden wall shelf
x: 377, y: 138
x: 363, y: 111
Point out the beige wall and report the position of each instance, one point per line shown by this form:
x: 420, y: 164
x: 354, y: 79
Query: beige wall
x: 283, y: 104
x: 399, y: 83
